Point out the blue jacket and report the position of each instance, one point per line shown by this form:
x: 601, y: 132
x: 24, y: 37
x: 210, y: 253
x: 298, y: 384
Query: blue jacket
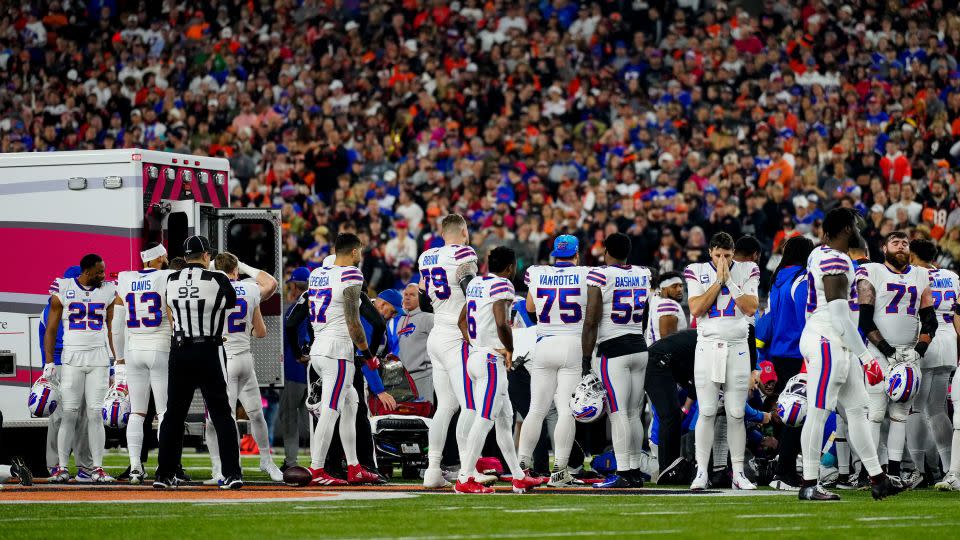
x: 778, y: 331
x: 371, y: 375
x: 58, y: 346
x: 293, y: 370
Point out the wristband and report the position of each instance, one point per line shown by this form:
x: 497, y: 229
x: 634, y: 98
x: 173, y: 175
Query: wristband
x: 886, y: 349
x: 866, y: 357
x: 735, y: 290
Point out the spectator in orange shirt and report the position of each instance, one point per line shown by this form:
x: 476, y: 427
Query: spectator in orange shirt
x: 780, y: 170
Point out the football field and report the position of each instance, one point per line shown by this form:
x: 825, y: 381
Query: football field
x: 375, y: 514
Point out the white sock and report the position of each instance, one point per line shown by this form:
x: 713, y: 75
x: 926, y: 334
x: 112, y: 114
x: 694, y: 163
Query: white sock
x: 213, y: 446
x: 811, y: 437
x: 464, y: 423
x: 703, y: 440
x: 322, y: 436
x: 896, y: 438
x: 479, y: 429
x: 955, y: 454
x: 135, y: 440
x: 437, y: 436
x: 861, y: 440
x: 737, y: 441
x: 635, y: 438
x: 348, y: 427
x: 530, y: 435
x: 66, y: 436
x: 261, y: 434
x: 5, y: 473
x: 504, y: 431
x: 620, y: 432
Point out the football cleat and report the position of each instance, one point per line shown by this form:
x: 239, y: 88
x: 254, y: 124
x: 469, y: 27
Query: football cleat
x: 136, y: 477
x: 271, y: 469
x: 471, y: 487
x: 84, y: 476
x: 911, y: 479
x: 215, y: 480
x: 785, y: 484
x: 321, y: 478
x: 700, y: 481
x: 950, y: 482
x: 356, y: 474
x: 851, y: 483
x: 59, y: 475
x: 19, y: 469
x: 165, y: 482
x: 232, y: 482
x: 817, y: 493
x: 561, y: 478
x: 885, y: 487
x: 99, y: 476
x: 182, y: 476
x: 485, y: 479
x: 741, y: 482
x: 527, y: 483
x: 614, y: 481
x: 125, y: 475
x: 433, y: 479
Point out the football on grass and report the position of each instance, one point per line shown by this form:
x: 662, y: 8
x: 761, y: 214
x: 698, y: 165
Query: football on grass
x: 297, y: 476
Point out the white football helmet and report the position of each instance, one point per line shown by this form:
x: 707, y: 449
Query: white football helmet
x: 588, y: 400
x: 796, y: 385
x: 43, y: 399
x: 903, y: 381
x: 792, y: 409
x: 116, y: 408
x: 313, y: 397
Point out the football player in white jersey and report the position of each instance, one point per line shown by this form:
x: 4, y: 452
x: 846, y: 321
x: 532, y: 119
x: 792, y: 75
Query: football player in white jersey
x: 616, y: 297
x: 836, y: 357
x: 486, y: 321
x: 929, y: 414
x: 896, y: 308
x: 666, y: 313
x: 142, y: 342
x: 244, y: 320
x: 723, y: 298
x: 558, y: 295
x: 445, y: 273
x: 334, y: 297
x: 85, y: 305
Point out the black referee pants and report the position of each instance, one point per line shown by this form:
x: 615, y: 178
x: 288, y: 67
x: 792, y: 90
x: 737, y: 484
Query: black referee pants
x: 661, y: 388
x: 195, y: 366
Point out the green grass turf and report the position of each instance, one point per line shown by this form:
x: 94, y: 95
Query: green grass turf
x: 445, y: 516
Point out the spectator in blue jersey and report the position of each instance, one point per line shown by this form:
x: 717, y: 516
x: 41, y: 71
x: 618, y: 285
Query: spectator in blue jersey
x: 778, y: 337
x: 293, y: 412
x: 82, y: 451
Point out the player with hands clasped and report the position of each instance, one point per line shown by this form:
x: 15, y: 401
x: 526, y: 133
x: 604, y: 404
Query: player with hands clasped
x: 723, y: 298
x: 616, y: 297
x: 836, y: 357
x: 898, y: 317
x: 486, y: 322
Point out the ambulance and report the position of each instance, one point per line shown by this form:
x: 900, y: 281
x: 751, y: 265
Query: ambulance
x: 56, y: 207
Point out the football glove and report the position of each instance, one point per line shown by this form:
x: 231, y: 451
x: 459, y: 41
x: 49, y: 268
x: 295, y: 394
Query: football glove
x: 907, y: 355
x: 874, y: 372
x: 50, y: 372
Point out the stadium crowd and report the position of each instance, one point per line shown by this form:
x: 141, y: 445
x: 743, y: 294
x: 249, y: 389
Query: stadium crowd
x: 666, y: 121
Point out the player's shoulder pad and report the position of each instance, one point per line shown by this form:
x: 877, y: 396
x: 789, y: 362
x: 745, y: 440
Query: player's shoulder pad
x: 692, y: 271
x: 461, y: 254
x: 596, y: 276
x: 351, y: 275
x: 501, y: 285
x: 57, y: 285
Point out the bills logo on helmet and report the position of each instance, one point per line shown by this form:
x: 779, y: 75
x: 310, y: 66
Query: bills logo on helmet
x: 43, y: 399
x: 586, y: 414
x: 116, y: 409
x: 903, y: 381
x: 588, y: 400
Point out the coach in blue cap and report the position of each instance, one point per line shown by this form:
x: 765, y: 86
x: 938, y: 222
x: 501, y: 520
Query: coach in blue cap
x: 293, y: 412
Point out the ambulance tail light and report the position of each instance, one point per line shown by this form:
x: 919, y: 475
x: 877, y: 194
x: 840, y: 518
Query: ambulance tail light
x: 219, y: 178
x: 113, y: 182
x: 170, y: 174
x: 203, y: 177
x: 153, y: 172
x: 186, y: 175
x: 77, y: 183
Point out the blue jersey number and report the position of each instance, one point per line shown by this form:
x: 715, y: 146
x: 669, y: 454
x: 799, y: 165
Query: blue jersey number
x: 237, y: 321
x: 899, y: 291
x: 949, y: 297
x: 438, y: 276
x: 85, y: 316
x: 628, y: 306
x: 570, y: 311
x: 153, y: 310
x: 319, y: 302
x: 471, y: 321
x: 729, y: 311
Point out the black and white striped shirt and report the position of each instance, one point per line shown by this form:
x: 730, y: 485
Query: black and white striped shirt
x: 199, y: 300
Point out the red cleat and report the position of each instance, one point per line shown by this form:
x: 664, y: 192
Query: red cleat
x: 471, y: 487
x: 321, y: 478
x: 356, y: 474
x: 527, y: 483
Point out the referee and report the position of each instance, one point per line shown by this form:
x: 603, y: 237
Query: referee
x: 198, y: 301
